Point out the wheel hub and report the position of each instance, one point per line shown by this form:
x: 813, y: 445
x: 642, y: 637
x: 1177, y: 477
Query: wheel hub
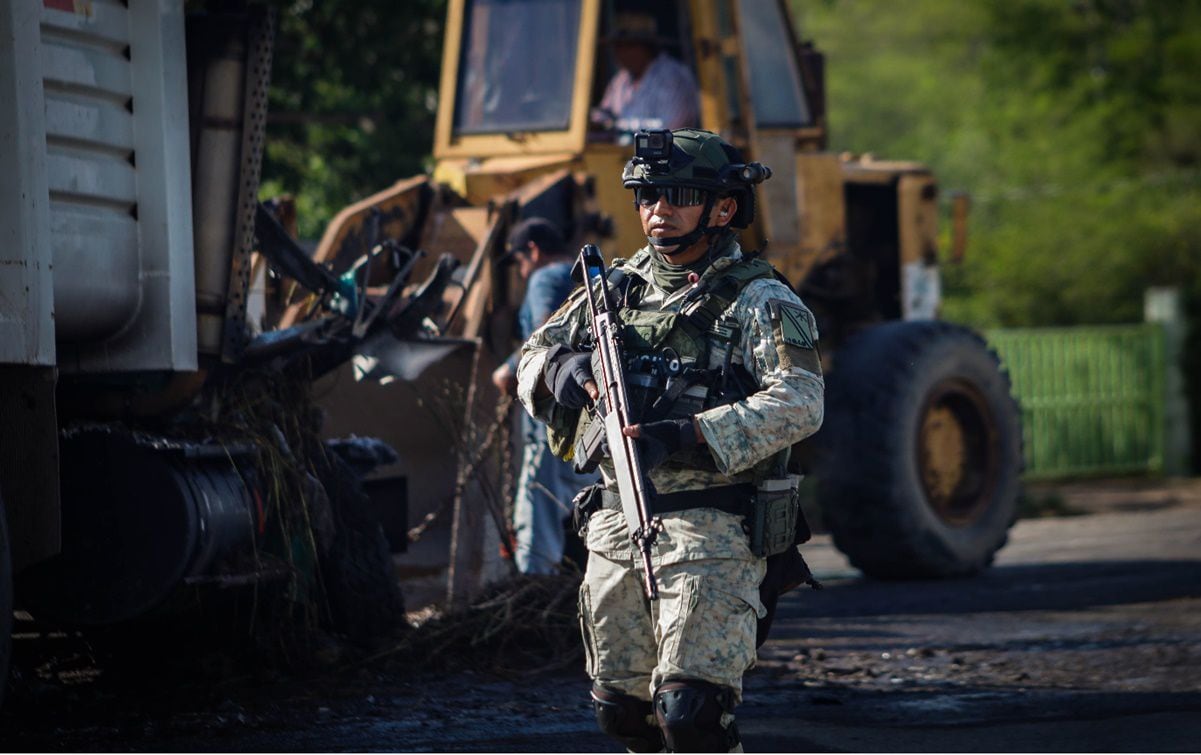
x: 958, y: 457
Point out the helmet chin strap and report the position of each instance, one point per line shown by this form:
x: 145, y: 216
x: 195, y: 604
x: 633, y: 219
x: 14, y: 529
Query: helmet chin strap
x: 681, y: 243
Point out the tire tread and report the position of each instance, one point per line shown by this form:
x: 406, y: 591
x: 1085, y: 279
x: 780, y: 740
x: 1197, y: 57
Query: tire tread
x: 868, y: 509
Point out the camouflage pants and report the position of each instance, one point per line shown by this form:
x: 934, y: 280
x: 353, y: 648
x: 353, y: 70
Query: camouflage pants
x: 702, y: 626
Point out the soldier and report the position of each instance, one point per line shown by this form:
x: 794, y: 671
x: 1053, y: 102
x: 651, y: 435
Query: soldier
x: 725, y: 377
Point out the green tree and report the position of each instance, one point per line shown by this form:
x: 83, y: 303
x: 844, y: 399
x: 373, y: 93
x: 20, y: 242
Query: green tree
x: 352, y: 100
x: 1075, y: 126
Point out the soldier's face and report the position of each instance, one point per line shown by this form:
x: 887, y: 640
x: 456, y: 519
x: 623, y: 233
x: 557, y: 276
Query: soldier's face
x: 664, y: 220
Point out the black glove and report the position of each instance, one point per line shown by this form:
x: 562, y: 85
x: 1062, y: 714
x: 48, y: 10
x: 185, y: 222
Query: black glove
x: 565, y: 374
x: 659, y: 440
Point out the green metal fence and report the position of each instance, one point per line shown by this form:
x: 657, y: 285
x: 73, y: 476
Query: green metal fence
x: 1092, y: 398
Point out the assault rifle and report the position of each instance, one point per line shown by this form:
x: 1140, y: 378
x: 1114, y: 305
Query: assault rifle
x: 613, y: 405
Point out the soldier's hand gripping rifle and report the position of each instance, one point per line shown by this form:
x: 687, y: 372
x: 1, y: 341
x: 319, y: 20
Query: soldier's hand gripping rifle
x: 614, y: 406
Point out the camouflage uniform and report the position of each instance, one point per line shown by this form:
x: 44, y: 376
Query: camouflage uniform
x: 703, y: 626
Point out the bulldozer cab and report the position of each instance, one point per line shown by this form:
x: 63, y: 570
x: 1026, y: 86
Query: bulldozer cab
x: 522, y: 80
x: 520, y: 77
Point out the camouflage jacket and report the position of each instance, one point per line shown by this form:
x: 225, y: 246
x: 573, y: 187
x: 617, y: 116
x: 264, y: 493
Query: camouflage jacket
x: 786, y: 408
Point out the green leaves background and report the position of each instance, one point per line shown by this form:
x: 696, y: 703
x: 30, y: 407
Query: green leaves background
x: 1075, y: 125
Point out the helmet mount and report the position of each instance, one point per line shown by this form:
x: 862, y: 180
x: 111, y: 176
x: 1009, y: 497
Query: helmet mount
x: 697, y: 159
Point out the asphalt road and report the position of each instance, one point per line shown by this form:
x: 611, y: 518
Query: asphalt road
x: 1085, y: 636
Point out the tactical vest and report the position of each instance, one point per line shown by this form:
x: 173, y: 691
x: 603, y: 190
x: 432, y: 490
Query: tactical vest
x: 669, y: 353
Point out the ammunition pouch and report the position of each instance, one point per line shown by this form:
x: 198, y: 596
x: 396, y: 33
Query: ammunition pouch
x: 776, y: 520
x: 586, y: 502
x: 590, y: 447
x: 777, y: 526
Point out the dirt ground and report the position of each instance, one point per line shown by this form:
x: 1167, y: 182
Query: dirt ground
x: 1085, y: 636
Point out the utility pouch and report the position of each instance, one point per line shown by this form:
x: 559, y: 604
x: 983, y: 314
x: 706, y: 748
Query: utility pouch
x: 584, y: 505
x: 776, y: 516
x: 590, y: 446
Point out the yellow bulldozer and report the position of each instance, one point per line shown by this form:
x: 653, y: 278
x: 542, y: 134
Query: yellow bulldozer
x: 917, y: 466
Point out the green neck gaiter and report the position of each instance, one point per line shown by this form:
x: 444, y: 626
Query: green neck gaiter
x: 671, y: 277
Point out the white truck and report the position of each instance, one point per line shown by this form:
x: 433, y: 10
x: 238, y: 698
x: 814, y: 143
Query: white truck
x: 130, y: 144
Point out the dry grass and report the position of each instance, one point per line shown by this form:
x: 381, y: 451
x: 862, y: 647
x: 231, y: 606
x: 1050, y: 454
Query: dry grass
x: 524, y: 625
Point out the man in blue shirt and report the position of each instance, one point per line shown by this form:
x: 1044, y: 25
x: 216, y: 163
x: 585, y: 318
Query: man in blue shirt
x: 546, y: 484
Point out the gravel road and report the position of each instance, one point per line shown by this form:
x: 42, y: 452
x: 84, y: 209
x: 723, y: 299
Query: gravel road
x: 1085, y: 636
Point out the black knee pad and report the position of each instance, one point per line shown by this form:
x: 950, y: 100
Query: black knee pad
x: 627, y: 719
x: 689, y: 712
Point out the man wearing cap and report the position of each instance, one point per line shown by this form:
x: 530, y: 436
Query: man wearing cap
x: 545, y: 485
x: 723, y: 377
x: 652, y: 89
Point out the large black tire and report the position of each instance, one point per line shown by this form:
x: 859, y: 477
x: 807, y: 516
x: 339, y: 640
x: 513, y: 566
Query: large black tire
x: 920, y: 451
x: 6, y: 601
x: 361, y: 588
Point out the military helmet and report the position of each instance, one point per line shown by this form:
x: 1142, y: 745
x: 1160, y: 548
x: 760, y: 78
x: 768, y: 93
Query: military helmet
x: 697, y: 159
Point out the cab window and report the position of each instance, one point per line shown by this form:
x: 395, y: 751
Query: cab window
x: 517, y: 67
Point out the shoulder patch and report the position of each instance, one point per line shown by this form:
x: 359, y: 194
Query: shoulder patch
x: 795, y: 328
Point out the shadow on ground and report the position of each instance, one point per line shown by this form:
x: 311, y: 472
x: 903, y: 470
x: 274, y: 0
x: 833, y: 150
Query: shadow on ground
x: 1037, y: 587
x: 980, y: 719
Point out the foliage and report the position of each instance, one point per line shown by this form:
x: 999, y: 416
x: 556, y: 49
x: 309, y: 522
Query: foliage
x: 353, y: 92
x: 1076, y: 128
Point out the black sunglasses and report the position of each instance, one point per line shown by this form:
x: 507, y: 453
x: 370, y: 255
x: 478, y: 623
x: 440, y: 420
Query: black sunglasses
x: 676, y: 196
